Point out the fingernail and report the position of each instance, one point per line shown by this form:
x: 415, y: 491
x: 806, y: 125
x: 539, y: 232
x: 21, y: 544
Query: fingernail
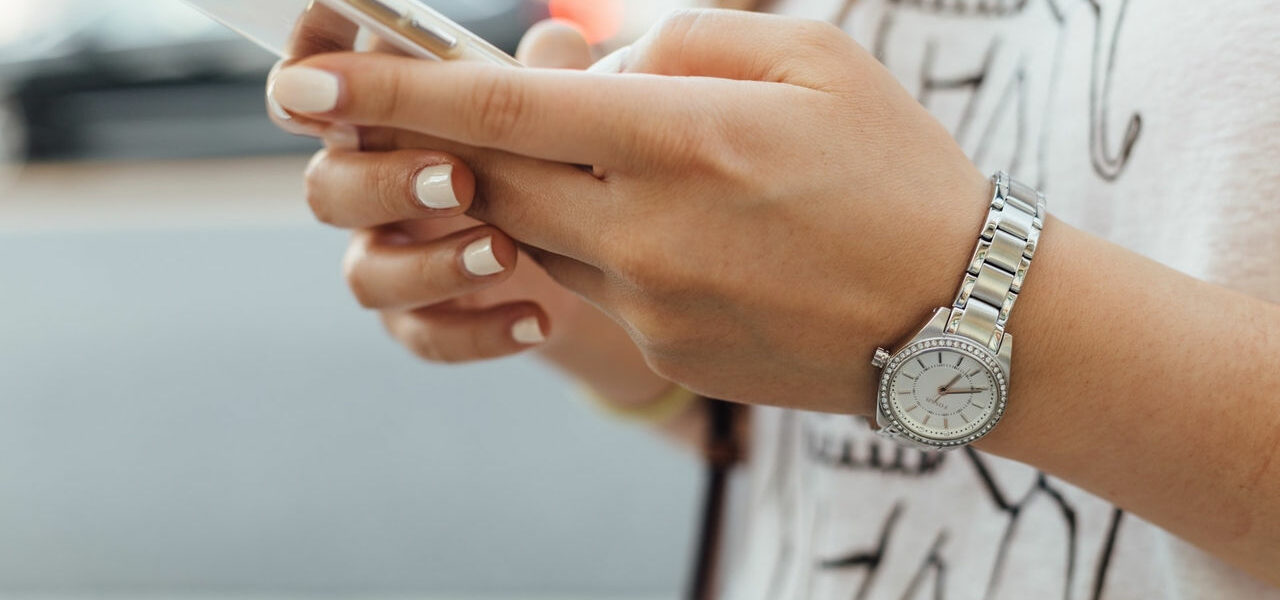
x: 528, y: 331
x: 278, y: 110
x: 479, y: 259
x: 305, y: 90
x: 434, y: 187
x: 342, y: 137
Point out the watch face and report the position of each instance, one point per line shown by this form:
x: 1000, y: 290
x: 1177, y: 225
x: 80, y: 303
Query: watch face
x: 944, y: 390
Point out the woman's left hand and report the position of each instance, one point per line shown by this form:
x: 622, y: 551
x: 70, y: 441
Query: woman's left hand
x: 766, y: 204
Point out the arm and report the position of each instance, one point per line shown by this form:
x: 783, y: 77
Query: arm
x: 760, y: 217
x: 1151, y: 389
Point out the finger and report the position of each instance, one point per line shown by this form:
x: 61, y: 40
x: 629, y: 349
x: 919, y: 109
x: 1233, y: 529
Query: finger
x: 733, y: 44
x: 572, y: 117
x: 335, y: 135
x: 552, y: 206
x: 319, y: 29
x: 364, y: 189
x: 554, y: 44
x: 387, y: 275
x: 451, y: 335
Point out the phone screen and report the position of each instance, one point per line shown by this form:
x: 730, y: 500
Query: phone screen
x: 297, y: 28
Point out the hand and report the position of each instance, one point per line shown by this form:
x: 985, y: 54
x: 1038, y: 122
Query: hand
x: 447, y: 286
x: 759, y: 216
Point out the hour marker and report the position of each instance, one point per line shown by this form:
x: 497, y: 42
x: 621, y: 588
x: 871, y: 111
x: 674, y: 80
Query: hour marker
x: 966, y: 419
x: 975, y: 372
x: 958, y: 359
x: 912, y: 407
x: 945, y: 423
x: 918, y: 361
x: 939, y: 358
x: 980, y: 405
x: 926, y: 420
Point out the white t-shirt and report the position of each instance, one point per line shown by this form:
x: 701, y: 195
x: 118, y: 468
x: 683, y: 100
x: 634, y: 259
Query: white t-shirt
x: 1153, y: 123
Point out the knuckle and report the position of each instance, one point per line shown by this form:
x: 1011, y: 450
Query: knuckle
x: 661, y: 49
x: 359, y: 284
x: 476, y: 345
x: 359, y: 287
x: 676, y: 27
x: 390, y: 187
x: 426, y: 345
x: 437, y: 278
x: 320, y: 208
x: 360, y: 290
x: 385, y: 107
x: 824, y: 39
x: 689, y: 143
x: 315, y: 189
x: 500, y: 107
x: 707, y: 149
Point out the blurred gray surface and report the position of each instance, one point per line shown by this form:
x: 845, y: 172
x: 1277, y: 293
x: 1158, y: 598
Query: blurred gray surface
x: 205, y: 408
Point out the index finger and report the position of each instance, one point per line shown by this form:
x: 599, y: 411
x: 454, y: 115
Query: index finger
x: 572, y: 117
x: 318, y: 29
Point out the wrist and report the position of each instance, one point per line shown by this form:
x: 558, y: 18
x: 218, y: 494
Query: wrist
x: 924, y: 270
x: 948, y: 385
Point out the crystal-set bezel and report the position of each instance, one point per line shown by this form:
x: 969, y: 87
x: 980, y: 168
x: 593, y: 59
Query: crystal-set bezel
x: 956, y: 344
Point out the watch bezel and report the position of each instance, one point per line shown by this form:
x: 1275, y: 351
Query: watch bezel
x: 953, y: 343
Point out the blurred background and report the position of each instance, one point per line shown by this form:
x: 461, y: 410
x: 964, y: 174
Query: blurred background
x: 192, y: 406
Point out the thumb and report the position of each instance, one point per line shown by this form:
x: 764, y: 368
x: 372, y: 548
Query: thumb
x: 554, y: 44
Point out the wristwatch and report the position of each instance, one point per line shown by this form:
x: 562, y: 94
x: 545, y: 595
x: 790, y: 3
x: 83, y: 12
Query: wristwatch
x: 948, y: 385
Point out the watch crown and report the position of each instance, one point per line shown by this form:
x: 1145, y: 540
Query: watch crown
x: 881, y: 358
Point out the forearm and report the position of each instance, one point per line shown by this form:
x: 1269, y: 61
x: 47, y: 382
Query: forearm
x: 1152, y: 389
x: 609, y: 364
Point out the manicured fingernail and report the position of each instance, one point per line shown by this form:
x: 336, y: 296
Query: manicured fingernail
x: 479, y: 259
x: 528, y: 331
x: 278, y: 110
x: 342, y: 137
x: 305, y: 90
x: 434, y: 187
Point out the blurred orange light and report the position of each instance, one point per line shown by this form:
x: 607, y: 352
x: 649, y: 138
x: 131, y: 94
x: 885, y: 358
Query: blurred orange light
x: 599, y: 19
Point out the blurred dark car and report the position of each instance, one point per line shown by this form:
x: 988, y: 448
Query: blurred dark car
x: 135, y: 79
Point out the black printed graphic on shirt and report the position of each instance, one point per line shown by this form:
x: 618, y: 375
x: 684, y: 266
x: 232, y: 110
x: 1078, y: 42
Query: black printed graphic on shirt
x: 1008, y: 87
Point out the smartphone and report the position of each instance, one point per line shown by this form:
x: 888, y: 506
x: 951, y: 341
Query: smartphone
x: 297, y: 28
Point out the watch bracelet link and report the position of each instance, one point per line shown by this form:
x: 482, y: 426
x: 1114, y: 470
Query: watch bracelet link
x: 1000, y: 262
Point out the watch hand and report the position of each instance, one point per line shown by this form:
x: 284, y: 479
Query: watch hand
x: 972, y: 391
x: 944, y: 388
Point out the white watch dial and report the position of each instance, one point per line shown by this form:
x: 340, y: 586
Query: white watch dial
x: 943, y: 393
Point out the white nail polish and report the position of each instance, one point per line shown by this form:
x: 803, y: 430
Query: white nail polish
x: 479, y: 260
x: 528, y: 331
x: 434, y: 187
x: 305, y: 90
x: 278, y: 110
